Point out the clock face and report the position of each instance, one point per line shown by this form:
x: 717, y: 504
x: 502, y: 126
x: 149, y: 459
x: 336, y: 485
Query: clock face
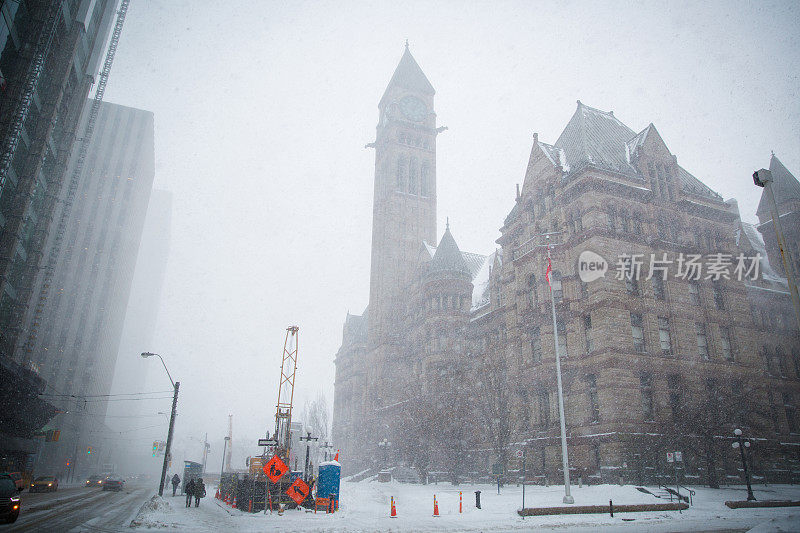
x: 413, y: 108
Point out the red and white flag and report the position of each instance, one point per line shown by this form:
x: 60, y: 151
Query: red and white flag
x: 547, y: 273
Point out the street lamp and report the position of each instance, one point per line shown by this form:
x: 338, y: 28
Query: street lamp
x: 308, y: 438
x: 222, y: 469
x: 167, y: 456
x: 742, y: 444
x: 384, y: 444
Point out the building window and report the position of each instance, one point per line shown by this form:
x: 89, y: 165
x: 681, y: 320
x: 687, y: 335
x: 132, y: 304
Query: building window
x: 561, y: 326
x: 587, y: 329
x: 675, y: 400
x: 719, y: 298
x: 594, y: 406
x: 624, y: 222
x: 424, y: 172
x: 702, y: 341
x: 637, y: 331
x: 556, y: 287
x: 791, y: 412
x: 725, y: 343
x: 694, y: 293
x: 412, y: 176
x: 536, y: 345
x: 646, y: 386
x: 663, y: 336
x: 632, y: 286
x: 637, y: 224
x: 401, y: 173
x: 658, y: 288
x: 533, y: 299
x: 544, y: 409
x: 584, y: 290
x: 612, y: 221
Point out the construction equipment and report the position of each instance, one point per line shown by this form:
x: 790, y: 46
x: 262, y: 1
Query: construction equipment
x: 283, y: 412
x: 61, y: 228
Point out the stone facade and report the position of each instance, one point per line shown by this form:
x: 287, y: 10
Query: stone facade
x: 659, y: 363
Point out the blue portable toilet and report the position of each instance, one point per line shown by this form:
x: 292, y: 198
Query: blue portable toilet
x: 330, y: 473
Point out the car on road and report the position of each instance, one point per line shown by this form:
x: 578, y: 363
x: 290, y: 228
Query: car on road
x: 94, y: 481
x: 9, y: 499
x: 16, y: 477
x: 114, y: 483
x: 44, y: 484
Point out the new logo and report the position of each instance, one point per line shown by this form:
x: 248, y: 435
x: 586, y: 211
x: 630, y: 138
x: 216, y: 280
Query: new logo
x: 591, y: 266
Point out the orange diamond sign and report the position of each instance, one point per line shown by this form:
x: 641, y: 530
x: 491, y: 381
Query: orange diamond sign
x: 298, y: 491
x: 275, y: 469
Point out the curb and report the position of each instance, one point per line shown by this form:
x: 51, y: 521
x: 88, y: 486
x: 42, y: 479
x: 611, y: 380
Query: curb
x: 597, y: 509
x: 766, y: 503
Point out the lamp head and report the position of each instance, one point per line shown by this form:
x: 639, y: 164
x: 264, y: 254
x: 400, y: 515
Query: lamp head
x: 737, y: 432
x: 147, y: 354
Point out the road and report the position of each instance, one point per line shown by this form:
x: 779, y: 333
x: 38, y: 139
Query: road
x: 78, y: 509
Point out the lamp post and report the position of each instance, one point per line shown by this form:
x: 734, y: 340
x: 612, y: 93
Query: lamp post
x: 222, y: 469
x: 763, y: 178
x: 742, y: 444
x: 384, y: 444
x: 167, y: 456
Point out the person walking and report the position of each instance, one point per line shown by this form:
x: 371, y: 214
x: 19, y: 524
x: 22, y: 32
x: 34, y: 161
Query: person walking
x: 175, y: 482
x: 190, y: 488
x: 199, y: 492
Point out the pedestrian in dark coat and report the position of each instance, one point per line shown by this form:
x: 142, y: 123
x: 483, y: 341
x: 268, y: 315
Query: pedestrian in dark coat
x: 175, y: 482
x: 199, y: 492
x: 189, y: 489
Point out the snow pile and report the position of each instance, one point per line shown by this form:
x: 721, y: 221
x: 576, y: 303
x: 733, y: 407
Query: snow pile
x: 783, y: 523
x: 153, y: 514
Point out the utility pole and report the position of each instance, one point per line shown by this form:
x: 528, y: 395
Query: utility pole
x: 763, y: 178
x: 205, y: 451
x: 167, y: 453
x: 308, y: 438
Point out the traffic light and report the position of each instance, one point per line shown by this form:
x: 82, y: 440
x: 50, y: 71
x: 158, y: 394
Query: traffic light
x: 88, y: 450
x: 155, y: 447
x: 67, y: 462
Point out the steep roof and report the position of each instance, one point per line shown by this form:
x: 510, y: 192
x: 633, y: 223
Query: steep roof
x: 409, y: 75
x: 597, y: 138
x: 448, y: 257
x: 784, y: 186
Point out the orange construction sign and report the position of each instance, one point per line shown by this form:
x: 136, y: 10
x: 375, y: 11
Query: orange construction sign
x: 275, y: 469
x: 298, y: 491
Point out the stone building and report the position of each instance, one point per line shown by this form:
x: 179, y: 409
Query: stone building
x: 679, y: 342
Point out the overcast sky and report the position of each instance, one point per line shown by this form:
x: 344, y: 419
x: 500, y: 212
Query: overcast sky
x: 262, y: 111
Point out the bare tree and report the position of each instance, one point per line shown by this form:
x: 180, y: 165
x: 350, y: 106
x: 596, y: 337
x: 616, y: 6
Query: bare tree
x: 315, y: 416
x: 494, y: 402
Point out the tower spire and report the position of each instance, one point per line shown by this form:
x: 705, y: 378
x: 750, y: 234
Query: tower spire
x: 406, y: 44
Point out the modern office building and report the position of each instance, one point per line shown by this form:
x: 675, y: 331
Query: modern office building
x: 39, y: 115
x: 81, y: 323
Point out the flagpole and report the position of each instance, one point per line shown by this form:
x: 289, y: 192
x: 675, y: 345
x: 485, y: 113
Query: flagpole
x: 564, y: 456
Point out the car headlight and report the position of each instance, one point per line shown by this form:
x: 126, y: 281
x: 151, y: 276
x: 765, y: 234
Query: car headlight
x: 49, y: 484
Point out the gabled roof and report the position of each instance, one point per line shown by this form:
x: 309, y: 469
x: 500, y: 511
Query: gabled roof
x: 597, y: 138
x: 409, y: 75
x: 448, y: 257
x: 473, y: 261
x: 784, y: 186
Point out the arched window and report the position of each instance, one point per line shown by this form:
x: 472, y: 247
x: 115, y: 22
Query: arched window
x: 423, y: 180
x: 533, y: 299
x: 624, y: 221
x: 612, y: 220
x: 412, y: 176
x: 401, y: 173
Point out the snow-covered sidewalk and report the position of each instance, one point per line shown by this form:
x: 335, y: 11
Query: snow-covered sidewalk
x: 365, y: 508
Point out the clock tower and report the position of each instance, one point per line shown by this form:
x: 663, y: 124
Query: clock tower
x: 404, y: 202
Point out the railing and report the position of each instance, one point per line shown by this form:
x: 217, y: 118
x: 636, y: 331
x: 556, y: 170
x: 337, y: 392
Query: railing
x: 672, y: 492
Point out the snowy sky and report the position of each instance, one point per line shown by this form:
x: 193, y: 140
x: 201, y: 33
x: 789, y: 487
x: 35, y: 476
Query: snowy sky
x: 262, y: 110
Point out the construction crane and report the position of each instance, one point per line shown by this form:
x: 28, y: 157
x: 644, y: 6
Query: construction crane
x: 72, y: 187
x: 283, y: 412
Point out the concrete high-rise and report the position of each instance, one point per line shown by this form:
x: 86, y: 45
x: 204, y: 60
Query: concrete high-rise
x: 81, y: 323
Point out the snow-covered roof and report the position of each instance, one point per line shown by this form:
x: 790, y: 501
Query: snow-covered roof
x: 480, y: 282
x: 756, y: 243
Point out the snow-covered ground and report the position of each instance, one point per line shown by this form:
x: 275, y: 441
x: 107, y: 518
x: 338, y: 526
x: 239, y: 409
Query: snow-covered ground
x: 365, y: 508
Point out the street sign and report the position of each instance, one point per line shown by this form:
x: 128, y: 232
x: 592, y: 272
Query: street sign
x: 275, y: 469
x: 670, y: 457
x: 298, y: 491
x: 519, y: 453
x: 267, y: 442
x: 679, y: 457
x: 497, y: 469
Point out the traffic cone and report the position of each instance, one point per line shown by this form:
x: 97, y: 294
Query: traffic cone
x: 217, y: 494
x: 250, y: 506
x: 337, y: 456
x: 459, y: 503
x: 393, y: 513
x: 435, y: 506
x: 234, y: 501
